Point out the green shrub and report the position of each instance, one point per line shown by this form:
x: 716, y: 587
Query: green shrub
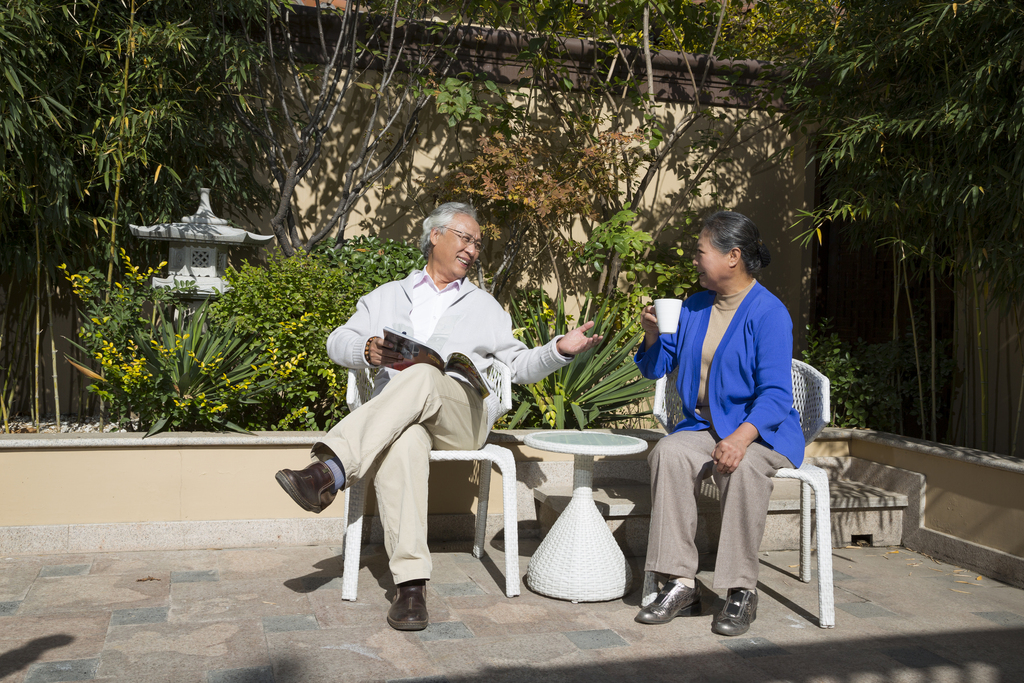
x: 372, y: 261
x: 115, y: 314
x: 652, y: 271
x: 602, y: 386
x: 165, y: 370
x: 292, y: 305
x: 874, y: 386
x: 197, y: 377
x: 257, y: 360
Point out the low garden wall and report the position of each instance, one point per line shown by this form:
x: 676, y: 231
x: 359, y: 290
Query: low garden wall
x: 108, y: 492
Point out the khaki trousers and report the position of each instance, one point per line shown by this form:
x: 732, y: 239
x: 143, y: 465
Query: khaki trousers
x: 679, y: 463
x: 390, y: 437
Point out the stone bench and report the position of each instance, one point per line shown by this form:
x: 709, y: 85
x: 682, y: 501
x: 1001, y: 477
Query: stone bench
x: 861, y: 512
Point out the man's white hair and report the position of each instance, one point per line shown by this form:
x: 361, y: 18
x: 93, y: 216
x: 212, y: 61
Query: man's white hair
x: 439, y: 219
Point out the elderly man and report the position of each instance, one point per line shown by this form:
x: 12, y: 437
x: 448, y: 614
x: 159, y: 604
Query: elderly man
x: 420, y: 408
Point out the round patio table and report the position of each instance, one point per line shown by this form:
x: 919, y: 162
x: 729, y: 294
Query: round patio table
x: 579, y: 559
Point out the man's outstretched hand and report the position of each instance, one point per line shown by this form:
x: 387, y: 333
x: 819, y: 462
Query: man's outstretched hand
x: 577, y: 341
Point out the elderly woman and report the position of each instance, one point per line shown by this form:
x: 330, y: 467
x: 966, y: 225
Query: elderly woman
x: 733, y: 349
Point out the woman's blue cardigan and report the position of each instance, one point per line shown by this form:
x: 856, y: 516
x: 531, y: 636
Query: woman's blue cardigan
x: 750, y: 379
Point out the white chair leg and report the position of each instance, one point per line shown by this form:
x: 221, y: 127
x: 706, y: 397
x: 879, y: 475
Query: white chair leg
x: 355, y: 502
x: 815, y: 478
x: 805, y: 532
x: 826, y: 590
x: 506, y: 463
x: 481, y: 508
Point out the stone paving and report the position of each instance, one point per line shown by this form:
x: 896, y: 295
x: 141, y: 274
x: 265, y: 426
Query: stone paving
x: 275, y: 615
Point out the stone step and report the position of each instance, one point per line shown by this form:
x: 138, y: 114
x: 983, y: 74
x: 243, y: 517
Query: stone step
x: 860, y: 512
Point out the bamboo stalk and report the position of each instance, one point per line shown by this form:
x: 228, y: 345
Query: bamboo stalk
x: 119, y: 158
x: 7, y: 378
x: 979, y: 338
x: 896, y: 332
x: 917, y: 357
x: 3, y: 403
x: 76, y: 376
x: 1020, y: 396
x: 38, y: 329
x: 53, y: 351
x: 935, y: 352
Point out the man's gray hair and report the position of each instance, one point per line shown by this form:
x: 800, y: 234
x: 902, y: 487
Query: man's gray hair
x: 439, y: 219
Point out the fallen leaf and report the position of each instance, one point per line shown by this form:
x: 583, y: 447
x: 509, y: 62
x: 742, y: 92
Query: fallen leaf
x: 796, y: 565
x: 978, y: 579
x: 892, y: 552
x: 148, y: 578
x: 956, y: 591
x: 268, y: 603
x: 962, y: 582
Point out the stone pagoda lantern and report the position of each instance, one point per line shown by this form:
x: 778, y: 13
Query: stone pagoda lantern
x: 198, y: 247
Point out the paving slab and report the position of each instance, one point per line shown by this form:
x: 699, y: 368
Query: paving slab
x: 291, y: 622
x: 446, y: 630
x: 195, y: 576
x: 63, y: 570
x: 259, y: 674
x: 78, y: 593
x: 492, y: 616
x: 251, y: 598
x: 16, y: 577
x: 348, y: 654
x: 141, y: 615
x: 182, y: 652
x: 70, y: 670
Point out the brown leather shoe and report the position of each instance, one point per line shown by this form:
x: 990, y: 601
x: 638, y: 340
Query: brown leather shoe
x: 312, y: 488
x: 409, y: 610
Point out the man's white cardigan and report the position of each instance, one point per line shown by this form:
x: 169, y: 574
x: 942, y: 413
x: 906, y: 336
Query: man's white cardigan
x: 475, y: 325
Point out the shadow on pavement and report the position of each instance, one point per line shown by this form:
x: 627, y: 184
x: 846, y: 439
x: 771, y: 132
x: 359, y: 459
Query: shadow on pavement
x: 16, y: 660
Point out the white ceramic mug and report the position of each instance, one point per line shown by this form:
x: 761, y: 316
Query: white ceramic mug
x: 667, y: 311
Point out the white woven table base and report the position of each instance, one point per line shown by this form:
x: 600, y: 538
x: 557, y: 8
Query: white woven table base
x: 579, y: 559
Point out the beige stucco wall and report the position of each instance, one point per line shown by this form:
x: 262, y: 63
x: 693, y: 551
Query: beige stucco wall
x: 100, y: 485
x: 770, y: 188
x: 150, y: 483
x: 981, y: 504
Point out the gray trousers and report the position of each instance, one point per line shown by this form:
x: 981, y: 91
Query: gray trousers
x: 679, y: 463
x: 390, y: 438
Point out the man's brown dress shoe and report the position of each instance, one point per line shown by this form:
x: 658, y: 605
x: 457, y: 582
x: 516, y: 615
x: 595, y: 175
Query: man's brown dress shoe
x: 409, y: 610
x: 312, y: 488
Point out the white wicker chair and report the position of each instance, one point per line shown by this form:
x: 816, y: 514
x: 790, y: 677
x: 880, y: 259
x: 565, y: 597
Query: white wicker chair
x: 811, y: 399
x: 360, y: 388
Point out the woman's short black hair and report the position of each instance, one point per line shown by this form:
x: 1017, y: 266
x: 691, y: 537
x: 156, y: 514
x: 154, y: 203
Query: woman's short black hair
x: 728, y: 230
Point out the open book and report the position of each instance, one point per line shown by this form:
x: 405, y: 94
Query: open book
x: 415, y: 351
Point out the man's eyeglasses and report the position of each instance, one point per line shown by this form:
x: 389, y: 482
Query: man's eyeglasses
x: 467, y: 239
